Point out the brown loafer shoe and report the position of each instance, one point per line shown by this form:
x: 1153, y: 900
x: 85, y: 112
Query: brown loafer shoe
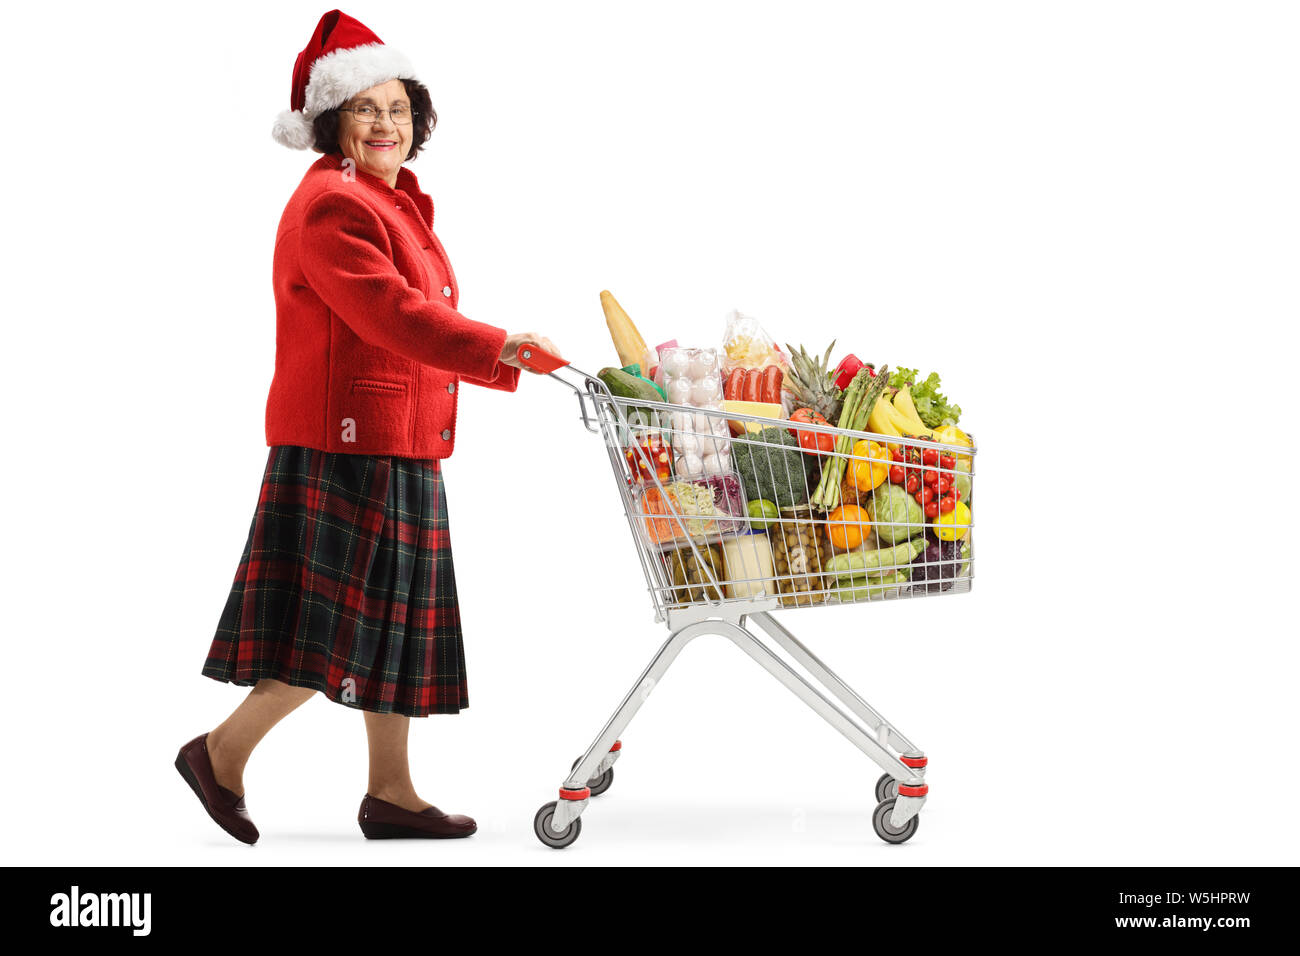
x: 224, y: 807
x: 381, y: 820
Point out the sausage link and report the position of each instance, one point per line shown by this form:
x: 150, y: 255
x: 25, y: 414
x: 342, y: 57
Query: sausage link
x: 735, y: 386
x: 772, y: 378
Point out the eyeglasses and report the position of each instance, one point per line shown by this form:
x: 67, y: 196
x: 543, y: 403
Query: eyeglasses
x: 401, y: 115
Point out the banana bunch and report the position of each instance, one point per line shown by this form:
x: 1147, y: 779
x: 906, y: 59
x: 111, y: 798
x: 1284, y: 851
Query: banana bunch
x: 898, y: 417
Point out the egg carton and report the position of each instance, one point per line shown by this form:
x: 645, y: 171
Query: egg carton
x: 701, y: 442
x: 690, y: 376
x: 694, y: 377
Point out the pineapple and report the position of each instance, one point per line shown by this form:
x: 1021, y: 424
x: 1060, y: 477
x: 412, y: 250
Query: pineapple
x: 811, y: 383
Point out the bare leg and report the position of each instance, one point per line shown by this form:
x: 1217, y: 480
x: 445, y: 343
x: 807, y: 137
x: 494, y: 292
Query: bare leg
x: 232, y: 742
x: 390, y: 771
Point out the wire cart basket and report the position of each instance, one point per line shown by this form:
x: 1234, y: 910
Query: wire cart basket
x: 756, y: 530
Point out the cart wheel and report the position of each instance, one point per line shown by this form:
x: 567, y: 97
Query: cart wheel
x: 886, y: 788
x: 597, y: 785
x: 887, y: 831
x: 542, y: 827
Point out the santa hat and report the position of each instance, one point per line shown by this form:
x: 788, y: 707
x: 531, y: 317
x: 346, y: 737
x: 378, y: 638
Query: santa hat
x: 343, y: 58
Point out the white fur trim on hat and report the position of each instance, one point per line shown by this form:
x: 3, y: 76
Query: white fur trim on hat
x: 335, y: 78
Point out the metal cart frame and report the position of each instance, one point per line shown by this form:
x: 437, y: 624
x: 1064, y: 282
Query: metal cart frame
x: 901, y: 791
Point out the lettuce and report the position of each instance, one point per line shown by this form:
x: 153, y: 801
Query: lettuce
x: 931, y: 405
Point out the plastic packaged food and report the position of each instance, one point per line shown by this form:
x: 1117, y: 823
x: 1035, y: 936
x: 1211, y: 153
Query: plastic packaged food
x: 746, y: 345
x: 750, y: 565
x: 694, y: 377
x: 681, y: 503
x: 701, y: 444
x: 690, y: 376
x: 650, y: 455
x: 728, y: 499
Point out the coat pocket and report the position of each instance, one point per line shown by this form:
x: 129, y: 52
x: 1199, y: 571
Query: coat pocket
x: 378, y: 387
x: 381, y: 411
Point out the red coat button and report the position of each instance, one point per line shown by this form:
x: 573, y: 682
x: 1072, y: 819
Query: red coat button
x: 446, y: 434
x: 451, y: 387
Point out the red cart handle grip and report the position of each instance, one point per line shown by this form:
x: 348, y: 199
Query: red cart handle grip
x: 538, y: 359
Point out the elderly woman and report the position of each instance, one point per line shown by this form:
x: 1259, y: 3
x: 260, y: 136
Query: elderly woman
x: 346, y: 584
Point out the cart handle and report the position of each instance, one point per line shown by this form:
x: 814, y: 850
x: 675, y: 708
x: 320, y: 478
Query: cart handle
x: 538, y: 359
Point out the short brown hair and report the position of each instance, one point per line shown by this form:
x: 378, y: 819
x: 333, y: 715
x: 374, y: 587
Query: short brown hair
x: 325, y: 127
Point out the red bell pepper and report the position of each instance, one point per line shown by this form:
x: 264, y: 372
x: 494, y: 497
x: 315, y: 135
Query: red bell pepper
x: 848, y: 367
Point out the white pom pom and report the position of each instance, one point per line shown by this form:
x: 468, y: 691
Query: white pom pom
x: 292, y: 129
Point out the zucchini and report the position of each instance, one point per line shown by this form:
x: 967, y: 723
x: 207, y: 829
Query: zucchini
x: 870, y: 589
x: 856, y: 564
x: 623, y: 385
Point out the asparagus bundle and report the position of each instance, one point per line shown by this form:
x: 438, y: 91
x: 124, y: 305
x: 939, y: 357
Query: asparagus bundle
x: 859, y: 399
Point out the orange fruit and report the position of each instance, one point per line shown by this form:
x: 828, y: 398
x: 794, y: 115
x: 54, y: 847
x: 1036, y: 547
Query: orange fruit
x: 846, y: 526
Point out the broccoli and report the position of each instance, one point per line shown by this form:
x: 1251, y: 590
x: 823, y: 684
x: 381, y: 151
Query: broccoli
x: 772, y: 466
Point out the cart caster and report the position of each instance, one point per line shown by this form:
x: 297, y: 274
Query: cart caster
x: 887, y: 831
x: 886, y: 788
x: 542, y: 827
x: 599, y: 784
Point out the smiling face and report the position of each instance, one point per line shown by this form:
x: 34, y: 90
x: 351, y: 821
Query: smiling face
x: 381, y: 148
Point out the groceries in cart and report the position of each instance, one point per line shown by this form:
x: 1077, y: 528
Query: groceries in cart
x: 753, y: 471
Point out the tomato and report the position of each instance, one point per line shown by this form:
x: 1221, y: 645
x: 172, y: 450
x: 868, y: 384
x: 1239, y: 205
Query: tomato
x: 947, y: 503
x: 815, y: 443
x: 945, y: 482
x: 929, y: 457
x: 812, y: 443
x: 913, y: 483
x: 896, y: 455
x: 932, y: 509
x: 928, y: 494
x: 947, y: 461
x: 896, y: 474
x: 930, y: 476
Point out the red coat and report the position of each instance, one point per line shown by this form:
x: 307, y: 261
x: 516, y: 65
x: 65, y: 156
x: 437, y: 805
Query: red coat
x: 369, y: 347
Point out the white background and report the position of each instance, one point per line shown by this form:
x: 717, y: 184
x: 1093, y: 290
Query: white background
x: 1083, y: 215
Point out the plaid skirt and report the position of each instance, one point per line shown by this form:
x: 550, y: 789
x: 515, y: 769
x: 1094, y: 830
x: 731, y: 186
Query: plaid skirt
x: 346, y: 586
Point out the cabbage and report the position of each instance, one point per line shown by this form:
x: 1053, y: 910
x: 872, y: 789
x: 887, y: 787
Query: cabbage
x: 895, y: 515
x: 940, y: 564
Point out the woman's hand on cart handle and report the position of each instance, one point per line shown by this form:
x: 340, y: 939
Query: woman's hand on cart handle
x: 528, y: 350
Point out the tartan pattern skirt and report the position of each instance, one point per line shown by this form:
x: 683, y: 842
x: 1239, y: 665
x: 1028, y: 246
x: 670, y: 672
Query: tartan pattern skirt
x: 346, y: 586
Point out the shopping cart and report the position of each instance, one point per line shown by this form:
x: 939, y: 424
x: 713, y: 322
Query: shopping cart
x: 713, y: 562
